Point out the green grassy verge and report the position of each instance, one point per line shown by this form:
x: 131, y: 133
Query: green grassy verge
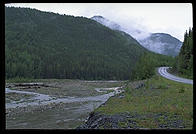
x: 171, y: 100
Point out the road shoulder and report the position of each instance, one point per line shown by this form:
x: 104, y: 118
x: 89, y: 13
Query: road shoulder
x: 153, y: 103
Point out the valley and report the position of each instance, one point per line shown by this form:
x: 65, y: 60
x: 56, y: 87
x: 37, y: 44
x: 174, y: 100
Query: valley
x: 76, y: 72
x: 62, y: 104
x: 155, y: 103
x: 82, y: 104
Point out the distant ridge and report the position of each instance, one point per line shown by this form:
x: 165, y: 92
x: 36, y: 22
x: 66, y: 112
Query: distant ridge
x: 161, y: 43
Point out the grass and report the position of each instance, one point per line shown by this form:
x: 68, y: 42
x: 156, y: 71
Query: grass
x: 19, y: 80
x: 28, y: 80
x: 180, y: 75
x: 159, y: 95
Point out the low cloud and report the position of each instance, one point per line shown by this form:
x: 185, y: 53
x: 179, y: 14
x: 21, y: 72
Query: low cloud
x: 137, y: 19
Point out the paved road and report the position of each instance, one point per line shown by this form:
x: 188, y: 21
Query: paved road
x: 163, y: 72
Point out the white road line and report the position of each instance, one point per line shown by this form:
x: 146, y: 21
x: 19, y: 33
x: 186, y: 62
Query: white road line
x: 163, y: 72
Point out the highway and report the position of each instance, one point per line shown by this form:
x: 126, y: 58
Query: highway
x: 163, y: 72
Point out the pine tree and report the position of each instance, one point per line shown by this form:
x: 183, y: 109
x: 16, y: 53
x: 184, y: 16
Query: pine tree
x: 184, y: 61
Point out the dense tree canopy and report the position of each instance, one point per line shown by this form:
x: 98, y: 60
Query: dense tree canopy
x: 47, y: 45
x: 146, y: 65
x: 184, y: 61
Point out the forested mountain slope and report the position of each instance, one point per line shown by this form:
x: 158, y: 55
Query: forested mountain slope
x: 47, y: 45
x: 161, y: 43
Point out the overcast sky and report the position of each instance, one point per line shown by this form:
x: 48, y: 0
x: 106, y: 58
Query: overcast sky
x: 172, y: 18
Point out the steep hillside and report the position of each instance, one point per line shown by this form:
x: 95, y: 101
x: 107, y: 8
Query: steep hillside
x: 131, y: 30
x: 107, y: 22
x: 47, y: 45
x: 162, y: 43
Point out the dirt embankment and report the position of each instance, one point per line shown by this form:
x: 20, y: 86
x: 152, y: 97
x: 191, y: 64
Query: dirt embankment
x: 127, y: 121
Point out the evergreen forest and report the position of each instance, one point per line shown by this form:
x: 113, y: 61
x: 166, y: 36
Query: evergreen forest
x: 183, y: 64
x: 48, y: 45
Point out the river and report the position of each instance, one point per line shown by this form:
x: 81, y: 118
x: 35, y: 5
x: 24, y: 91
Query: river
x: 45, y: 111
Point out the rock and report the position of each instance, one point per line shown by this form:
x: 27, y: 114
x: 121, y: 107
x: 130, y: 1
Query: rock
x: 181, y: 126
x: 97, y: 120
x: 58, y: 121
x: 121, y: 96
x: 140, y: 85
x: 83, y: 126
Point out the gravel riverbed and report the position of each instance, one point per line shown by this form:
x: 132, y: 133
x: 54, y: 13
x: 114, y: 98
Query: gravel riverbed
x: 63, y: 104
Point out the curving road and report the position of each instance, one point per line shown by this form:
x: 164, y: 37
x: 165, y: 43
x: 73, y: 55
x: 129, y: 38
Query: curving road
x: 163, y: 72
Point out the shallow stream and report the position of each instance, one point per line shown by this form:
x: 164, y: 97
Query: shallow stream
x: 49, y: 112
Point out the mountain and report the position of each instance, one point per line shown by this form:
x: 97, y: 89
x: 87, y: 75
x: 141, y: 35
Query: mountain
x: 107, y: 22
x: 131, y: 30
x: 47, y: 45
x: 114, y: 26
x: 161, y: 43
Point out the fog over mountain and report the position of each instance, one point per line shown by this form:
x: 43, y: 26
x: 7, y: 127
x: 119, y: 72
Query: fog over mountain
x: 131, y: 29
x: 140, y: 19
x: 161, y: 43
x: 137, y: 19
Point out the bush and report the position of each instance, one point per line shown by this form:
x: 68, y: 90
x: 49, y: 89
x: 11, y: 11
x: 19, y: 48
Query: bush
x: 145, y: 67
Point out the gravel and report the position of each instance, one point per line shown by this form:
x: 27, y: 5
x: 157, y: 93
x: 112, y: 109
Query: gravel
x: 130, y: 121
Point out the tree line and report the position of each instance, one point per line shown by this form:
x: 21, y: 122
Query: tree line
x: 48, y: 45
x: 183, y: 64
x: 146, y: 65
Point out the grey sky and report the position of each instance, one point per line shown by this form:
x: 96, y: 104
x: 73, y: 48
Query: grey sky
x: 172, y: 18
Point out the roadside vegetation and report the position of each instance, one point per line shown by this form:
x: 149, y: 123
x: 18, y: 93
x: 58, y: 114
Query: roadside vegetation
x: 146, y: 65
x: 154, y: 103
x: 183, y: 65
